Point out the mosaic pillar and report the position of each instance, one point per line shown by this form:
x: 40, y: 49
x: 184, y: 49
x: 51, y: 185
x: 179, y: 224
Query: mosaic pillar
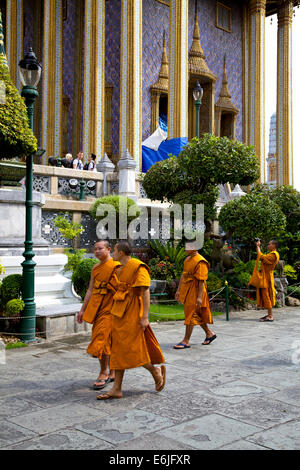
x: 94, y: 78
x: 51, y: 131
x: 245, y: 72
x: 256, y: 105
x: 284, y: 94
x: 178, y: 75
x: 14, y: 38
x: 131, y: 80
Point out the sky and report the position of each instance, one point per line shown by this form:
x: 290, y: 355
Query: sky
x: 271, y: 77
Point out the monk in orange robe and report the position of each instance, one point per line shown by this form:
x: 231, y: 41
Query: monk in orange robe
x: 192, y: 292
x: 96, y: 310
x: 133, y: 341
x: 265, y: 297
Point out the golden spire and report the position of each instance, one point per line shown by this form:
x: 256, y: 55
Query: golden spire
x: 163, y: 78
x: 224, y: 100
x: 197, y: 59
x: 3, y: 59
x: 224, y: 90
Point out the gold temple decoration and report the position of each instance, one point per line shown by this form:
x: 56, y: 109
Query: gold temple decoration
x: 197, y: 59
x: 163, y: 78
x: 224, y: 100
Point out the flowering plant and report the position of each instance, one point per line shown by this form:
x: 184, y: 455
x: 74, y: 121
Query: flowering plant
x: 163, y: 269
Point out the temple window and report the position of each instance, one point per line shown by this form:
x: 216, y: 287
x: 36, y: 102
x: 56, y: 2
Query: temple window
x: 223, y: 17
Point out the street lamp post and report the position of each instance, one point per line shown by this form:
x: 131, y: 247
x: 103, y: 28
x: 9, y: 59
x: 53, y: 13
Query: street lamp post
x: 197, y: 94
x: 30, y: 74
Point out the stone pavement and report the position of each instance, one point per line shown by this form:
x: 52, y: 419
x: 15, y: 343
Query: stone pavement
x: 241, y: 392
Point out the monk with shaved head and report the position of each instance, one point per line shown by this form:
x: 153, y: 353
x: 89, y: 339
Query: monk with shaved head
x: 96, y: 309
x: 133, y: 341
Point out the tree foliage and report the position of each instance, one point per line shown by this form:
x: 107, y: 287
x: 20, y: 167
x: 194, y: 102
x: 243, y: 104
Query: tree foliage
x: 193, y: 177
x: 16, y: 137
x: 253, y: 215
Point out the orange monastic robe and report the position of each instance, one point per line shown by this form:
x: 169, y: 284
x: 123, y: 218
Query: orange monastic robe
x: 195, y: 270
x: 265, y: 298
x: 131, y: 346
x: 98, y: 309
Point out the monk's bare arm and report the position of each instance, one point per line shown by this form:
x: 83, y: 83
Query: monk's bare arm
x: 178, y: 290
x: 146, y: 306
x: 86, y: 300
x: 200, y: 294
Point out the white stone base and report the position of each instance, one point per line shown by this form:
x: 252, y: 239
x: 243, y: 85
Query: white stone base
x: 52, y: 288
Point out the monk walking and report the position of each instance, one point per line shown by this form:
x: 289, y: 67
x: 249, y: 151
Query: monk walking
x: 96, y: 309
x: 192, y: 292
x: 133, y: 341
x: 265, y: 297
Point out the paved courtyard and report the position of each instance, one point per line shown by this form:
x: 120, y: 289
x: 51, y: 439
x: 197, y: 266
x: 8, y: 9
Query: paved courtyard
x: 241, y: 392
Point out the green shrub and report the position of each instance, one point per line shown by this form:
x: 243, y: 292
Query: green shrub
x: 69, y: 229
x: 19, y: 344
x: 294, y: 291
x: 163, y: 270
x: 244, y: 267
x: 74, y: 258
x: 175, y: 254
x: 290, y: 272
x: 16, y: 137
x: 213, y: 282
x: 82, y: 274
x: 244, y: 279
x: 120, y: 204
x: 14, y: 307
x: 11, y: 288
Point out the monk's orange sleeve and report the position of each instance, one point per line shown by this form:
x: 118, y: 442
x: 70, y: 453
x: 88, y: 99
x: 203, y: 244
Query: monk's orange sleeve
x: 143, y: 278
x: 270, y: 258
x: 201, y: 272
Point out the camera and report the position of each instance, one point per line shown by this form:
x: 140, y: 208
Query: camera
x: 257, y: 240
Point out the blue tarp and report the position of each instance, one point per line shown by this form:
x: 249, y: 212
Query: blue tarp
x: 172, y: 146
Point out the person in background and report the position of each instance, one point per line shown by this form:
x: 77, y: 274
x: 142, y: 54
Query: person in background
x: 67, y: 161
x: 78, y: 162
x: 96, y: 309
x: 265, y: 297
x: 91, y: 164
x: 192, y: 292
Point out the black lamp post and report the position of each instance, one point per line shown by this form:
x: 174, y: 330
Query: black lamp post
x: 197, y: 94
x: 30, y: 74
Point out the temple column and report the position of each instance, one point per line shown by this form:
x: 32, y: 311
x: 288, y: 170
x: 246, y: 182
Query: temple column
x: 256, y: 74
x: 14, y: 38
x: 178, y: 75
x: 94, y: 78
x: 284, y: 94
x: 51, y: 132
x: 131, y: 80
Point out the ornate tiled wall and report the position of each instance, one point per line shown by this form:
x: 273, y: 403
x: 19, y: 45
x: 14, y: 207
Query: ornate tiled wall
x: 68, y: 63
x: 28, y: 22
x: 215, y: 43
x: 112, y: 63
x: 155, y: 20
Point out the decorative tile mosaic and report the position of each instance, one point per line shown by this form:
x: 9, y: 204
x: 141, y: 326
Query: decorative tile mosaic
x: 112, y: 63
x: 215, y: 43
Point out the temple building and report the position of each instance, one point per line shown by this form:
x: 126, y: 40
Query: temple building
x: 113, y: 68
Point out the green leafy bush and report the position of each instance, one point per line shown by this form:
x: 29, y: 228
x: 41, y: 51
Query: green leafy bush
x: 163, y: 270
x: 16, y: 137
x: 82, y: 274
x: 11, y: 288
x: 69, y: 229
x: 74, y: 258
x: 14, y: 307
x: 119, y: 203
x: 213, y: 282
x: 294, y: 291
x: 244, y: 267
x: 290, y: 272
x: 244, y: 279
x: 175, y: 254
